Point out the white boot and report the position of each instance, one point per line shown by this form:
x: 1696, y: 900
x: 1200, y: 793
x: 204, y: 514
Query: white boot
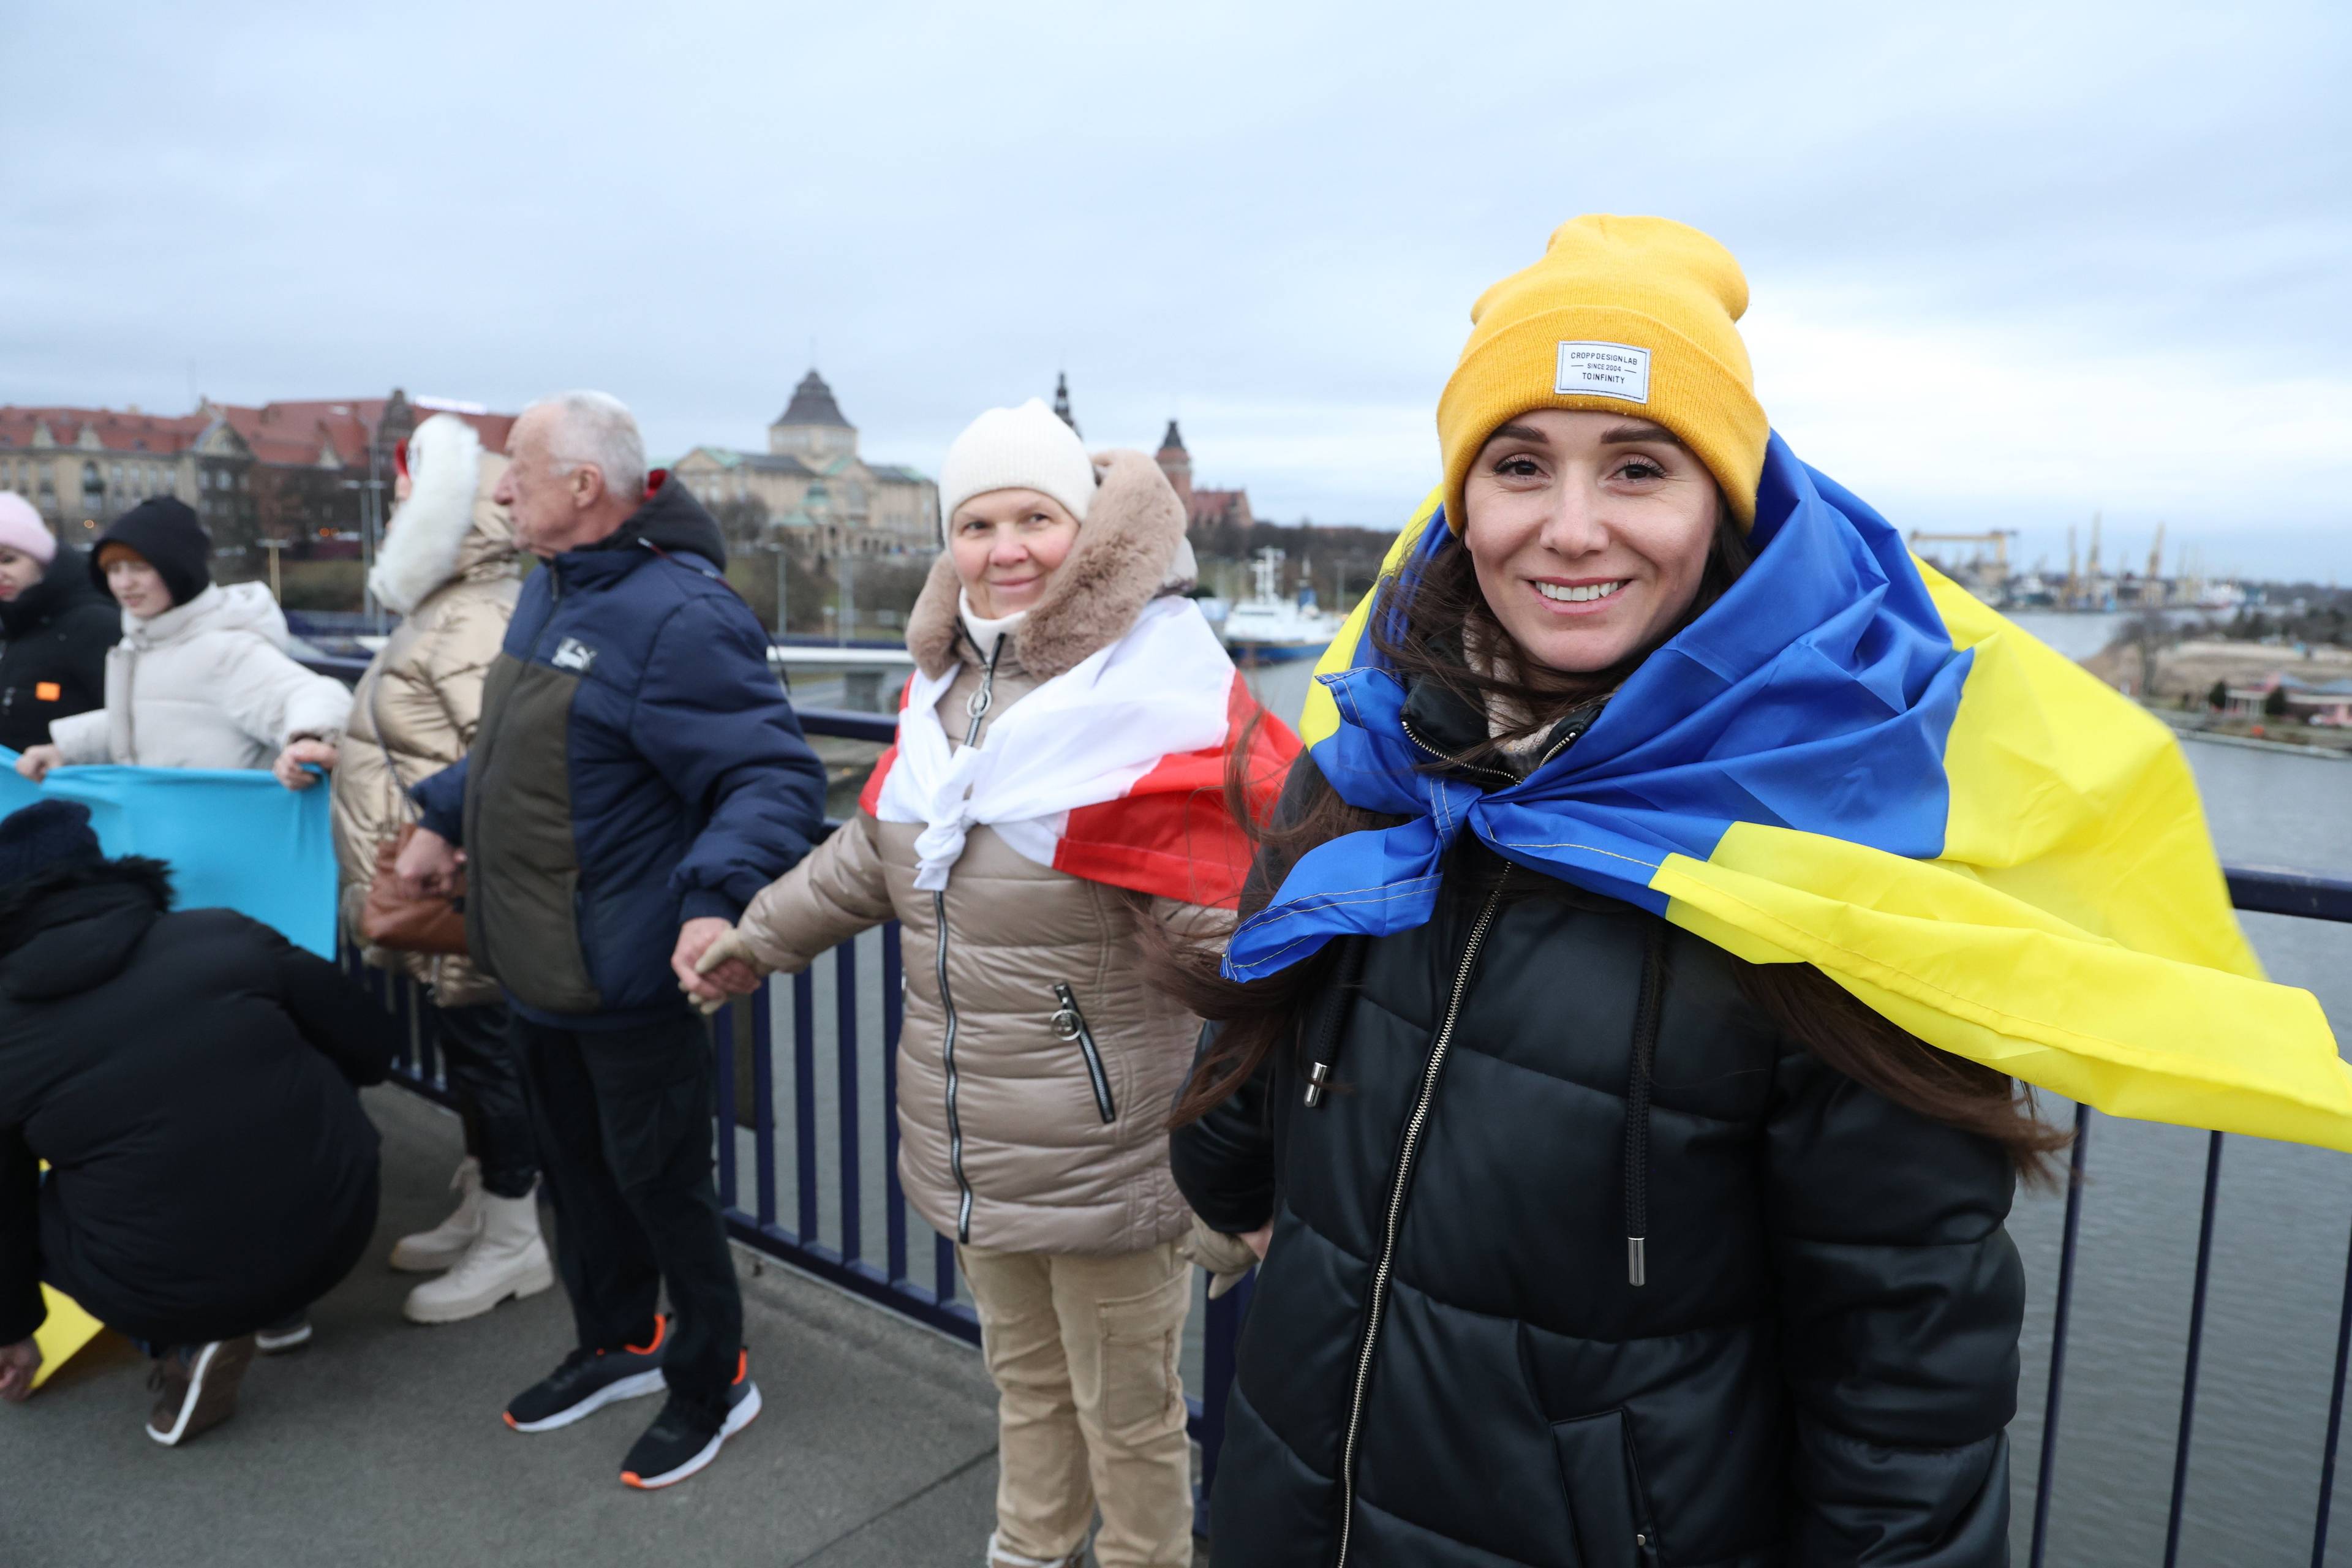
x: 431, y: 1251
x: 1000, y: 1557
x: 508, y: 1258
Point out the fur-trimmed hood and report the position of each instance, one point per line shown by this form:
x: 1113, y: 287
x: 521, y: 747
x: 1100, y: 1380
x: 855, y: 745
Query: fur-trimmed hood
x: 448, y: 526
x: 1131, y: 550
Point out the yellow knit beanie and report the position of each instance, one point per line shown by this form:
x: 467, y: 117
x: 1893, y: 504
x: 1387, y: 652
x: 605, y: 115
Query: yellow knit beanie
x: 1624, y: 315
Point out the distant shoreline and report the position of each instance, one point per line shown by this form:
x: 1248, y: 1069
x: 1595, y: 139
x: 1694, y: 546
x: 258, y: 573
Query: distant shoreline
x: 2325, y: 750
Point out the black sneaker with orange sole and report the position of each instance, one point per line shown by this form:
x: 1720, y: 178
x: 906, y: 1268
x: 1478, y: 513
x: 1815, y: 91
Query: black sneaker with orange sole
x: 684, y: 1437
x: 590, y: 1380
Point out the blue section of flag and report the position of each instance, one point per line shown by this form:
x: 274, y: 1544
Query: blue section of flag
x: 1816, y: 694
x: 234, y: 838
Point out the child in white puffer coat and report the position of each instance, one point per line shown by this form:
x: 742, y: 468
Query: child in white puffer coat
x: 201, y: 677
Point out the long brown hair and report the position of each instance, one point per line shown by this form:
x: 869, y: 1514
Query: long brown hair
x: 1420, y: 625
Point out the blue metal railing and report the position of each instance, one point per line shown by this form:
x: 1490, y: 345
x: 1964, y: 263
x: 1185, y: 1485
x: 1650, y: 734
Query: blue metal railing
x: 2254, y: 889
x: 925, y: 1290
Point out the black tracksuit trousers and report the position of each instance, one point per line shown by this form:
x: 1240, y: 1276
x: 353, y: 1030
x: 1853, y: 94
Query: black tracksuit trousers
x: 479, y: 1055
x: 624, y: 1123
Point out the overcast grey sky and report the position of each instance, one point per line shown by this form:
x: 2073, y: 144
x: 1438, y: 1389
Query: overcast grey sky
x: 2008, y: 264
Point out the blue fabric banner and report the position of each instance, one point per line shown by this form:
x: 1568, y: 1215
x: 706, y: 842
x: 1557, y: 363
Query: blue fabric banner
x: 235, y: 838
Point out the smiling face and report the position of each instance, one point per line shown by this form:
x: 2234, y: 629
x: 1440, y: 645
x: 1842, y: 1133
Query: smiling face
x: 136, y: 586
x: 1590, y: 533
x: 1006, y: 545
x: 18, y: 572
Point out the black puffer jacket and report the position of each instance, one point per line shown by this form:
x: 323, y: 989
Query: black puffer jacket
x: 1818, y: 1370
x: 188, y: 1077
x: 55, y: 664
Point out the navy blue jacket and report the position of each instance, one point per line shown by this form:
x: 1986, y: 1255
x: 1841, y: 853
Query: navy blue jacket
x: 637, y: 765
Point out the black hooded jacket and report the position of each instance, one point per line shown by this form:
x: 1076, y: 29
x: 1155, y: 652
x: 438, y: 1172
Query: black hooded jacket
x: 189, y: 1079
x: 55, y: 664
x: 1448, y: 1362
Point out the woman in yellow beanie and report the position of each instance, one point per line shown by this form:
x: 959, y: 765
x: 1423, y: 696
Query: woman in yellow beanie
x: 1587, y: 1240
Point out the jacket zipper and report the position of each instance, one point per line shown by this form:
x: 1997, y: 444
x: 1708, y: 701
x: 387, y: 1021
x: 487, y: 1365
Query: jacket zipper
x: 978, y: 708
x: 1449, y: 758
x: 1568, y: 738
x: 1637, y: 1107
x: 1396, y: 1211
x: 947, y: 1054
x: 1071, y: 1024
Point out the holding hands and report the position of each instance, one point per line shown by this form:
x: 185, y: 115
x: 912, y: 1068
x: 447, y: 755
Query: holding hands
x: 720, y: 965
x: 428, y: 864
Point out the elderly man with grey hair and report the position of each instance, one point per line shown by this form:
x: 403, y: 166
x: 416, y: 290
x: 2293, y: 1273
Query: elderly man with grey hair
x: 636, y: 778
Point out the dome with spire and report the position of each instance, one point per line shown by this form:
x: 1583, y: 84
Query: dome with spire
x: 813, y: 403
x: 811, y: 427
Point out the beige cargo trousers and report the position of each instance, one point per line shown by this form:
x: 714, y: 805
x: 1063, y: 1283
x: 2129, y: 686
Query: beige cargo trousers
x: 1090, y: 1404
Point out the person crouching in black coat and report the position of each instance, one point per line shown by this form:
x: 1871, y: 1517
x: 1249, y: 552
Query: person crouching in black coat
x: 189, y: 1079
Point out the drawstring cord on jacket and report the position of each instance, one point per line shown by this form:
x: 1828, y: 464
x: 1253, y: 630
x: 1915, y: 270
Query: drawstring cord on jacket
x: 1326, y: 1052
x: 1637, y: 1105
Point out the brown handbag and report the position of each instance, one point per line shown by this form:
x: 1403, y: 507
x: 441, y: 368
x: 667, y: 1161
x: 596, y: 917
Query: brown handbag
x: 426, y: 924
x: 430, y: 923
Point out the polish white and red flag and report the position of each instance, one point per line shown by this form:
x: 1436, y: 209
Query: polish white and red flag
x: 1114, y: 770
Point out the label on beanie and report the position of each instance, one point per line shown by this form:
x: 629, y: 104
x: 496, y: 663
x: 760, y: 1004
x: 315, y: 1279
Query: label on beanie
x: 1604, y: 370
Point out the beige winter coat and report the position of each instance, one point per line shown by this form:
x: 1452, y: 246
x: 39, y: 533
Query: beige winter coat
x: 450, y: 564
x: 1022, y: 1131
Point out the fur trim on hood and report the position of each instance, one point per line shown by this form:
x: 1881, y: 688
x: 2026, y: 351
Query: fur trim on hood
x: 1131, y: 550
x: 448, y: 524
x: 25, y: 896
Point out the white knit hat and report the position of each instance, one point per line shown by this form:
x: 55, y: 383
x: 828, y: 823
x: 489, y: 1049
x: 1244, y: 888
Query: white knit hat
x: 1024, y: 448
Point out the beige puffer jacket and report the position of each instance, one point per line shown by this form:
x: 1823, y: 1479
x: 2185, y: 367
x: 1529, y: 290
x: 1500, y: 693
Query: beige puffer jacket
x: 1026, y: 1152
x: 450, y: 565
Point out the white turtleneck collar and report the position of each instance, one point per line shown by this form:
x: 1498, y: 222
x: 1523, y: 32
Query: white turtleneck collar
x: 986, y: 634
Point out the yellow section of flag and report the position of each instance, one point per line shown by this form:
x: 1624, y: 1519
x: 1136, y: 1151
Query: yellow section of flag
x: 2076, y: 933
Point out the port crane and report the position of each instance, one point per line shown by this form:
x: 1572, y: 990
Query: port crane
x: 1982, y: 575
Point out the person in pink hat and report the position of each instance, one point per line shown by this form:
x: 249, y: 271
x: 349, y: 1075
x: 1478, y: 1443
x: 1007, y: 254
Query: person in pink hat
x: 57, y: 624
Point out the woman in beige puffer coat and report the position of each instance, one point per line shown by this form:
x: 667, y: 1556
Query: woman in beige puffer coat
x: 1035, y: 1064
x: 451, y: 568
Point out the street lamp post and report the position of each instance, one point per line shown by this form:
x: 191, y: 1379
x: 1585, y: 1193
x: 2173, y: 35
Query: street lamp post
x: 783, y: 613
x: 848, y: 591
x: 276, y: 591
x: 783, y: 605
x: 370, y: 489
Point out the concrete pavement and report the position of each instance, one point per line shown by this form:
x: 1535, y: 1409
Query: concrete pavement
x: 380, y: 1444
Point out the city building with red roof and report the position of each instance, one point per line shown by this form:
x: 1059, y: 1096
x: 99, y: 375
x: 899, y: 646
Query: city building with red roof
x: 303, y: 470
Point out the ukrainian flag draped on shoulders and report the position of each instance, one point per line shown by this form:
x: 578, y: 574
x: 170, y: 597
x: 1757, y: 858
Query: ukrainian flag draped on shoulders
x: 1847, y: 761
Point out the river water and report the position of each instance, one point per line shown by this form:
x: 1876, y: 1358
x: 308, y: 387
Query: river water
x: 2282, y: 1224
